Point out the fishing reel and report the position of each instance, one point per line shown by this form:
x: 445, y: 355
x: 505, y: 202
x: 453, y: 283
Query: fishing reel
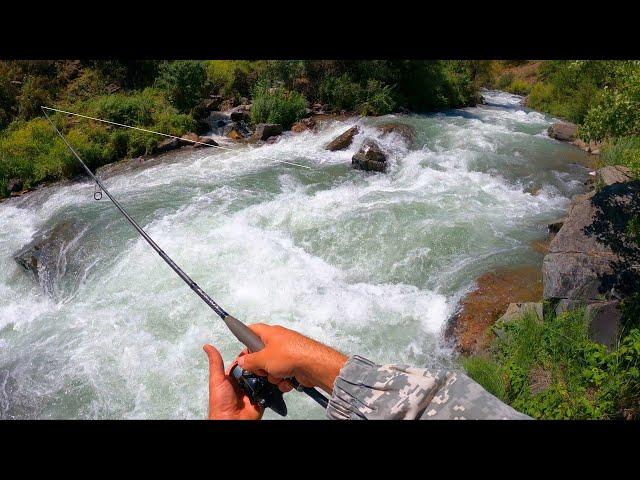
x: 259, y: 390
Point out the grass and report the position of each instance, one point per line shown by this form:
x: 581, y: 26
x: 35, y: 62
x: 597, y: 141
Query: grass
x: 622, y: 151
x: 552, y: 370
x: 277, y: 105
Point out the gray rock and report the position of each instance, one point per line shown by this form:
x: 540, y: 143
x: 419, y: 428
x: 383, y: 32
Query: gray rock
x: 46, y: 256
x: 591, y: 259
x: 266, y: 130
x: 613, y: 174
x: 206, y: 106
x: 604, y: 322
x: 344, y: 140
x: 370, y: 158
x: 563, y: 131
x: 237, y: 130
x: 167, y: 145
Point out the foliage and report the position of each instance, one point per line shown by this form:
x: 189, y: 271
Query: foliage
x: 342, y: 93
x: 234, y: 78
x: 622, y: 151
x: 552, y: 370
x: 376, y: 99
x: 277, y: 105
x: 183, y: 81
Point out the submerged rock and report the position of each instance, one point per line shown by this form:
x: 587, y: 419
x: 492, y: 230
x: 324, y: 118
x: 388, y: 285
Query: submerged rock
x: 266, y: 130
x: 370, y: 158
x: 46, y: 255
x: 406, y: 132
x: 344, y: 140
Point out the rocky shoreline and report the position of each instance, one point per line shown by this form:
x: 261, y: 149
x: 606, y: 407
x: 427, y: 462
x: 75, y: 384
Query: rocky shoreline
x: 589, y: 262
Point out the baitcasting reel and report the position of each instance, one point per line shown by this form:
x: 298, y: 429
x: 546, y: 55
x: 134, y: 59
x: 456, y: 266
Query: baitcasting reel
x: 260, y: 391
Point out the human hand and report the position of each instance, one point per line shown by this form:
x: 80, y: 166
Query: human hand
x: 227, y: 401
x: 290, y: 354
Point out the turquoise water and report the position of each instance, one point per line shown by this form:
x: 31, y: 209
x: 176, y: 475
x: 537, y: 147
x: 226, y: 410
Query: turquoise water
x: 371, y: 264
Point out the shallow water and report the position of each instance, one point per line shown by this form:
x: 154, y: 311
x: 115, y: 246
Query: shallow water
x: 369, y: 263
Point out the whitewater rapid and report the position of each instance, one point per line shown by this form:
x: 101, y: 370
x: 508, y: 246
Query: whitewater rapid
x: 372, y: 264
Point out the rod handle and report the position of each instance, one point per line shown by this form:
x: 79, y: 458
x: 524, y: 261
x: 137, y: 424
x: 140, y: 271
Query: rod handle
x: 243, y: 333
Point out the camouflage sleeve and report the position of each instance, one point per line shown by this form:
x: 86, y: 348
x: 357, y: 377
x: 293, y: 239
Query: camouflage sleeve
x: 365, y: 390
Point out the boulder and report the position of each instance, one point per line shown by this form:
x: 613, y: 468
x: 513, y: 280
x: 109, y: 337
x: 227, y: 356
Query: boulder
x: 303, y: 125
x: 227, y: 104
x: 208, y: 141
x: 167, y: 145
x: 370, y: 158
x: 563, y: 131
x: 404, y: 131
x: 266, y: 130
x: 555, y: 226
x: 613, y: 174
x: 344, y: 140
x: 604, y: 320
x: 189, y: 138
x: 591, y: 258
x: 240, y: 113
x: 206, y: 106
x: 236, y: 130
x: 46, y: 255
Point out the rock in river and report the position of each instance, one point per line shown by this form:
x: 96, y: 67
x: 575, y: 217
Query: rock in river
x: 404, y: 131
x: 344, y: 140
x: 563, y: 131
x: 46, y: 256
x: 370, y: 157
x: 266, y: 130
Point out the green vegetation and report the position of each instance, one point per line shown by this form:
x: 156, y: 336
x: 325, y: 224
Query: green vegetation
x: 277, y: 105
x: 167, y: 96
x: 551, y: 370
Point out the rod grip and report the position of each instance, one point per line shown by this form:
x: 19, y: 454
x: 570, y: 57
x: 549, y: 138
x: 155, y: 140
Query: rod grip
x: 244, y: 334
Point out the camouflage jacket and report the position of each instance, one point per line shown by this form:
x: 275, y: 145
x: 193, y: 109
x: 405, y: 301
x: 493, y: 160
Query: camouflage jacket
x: 364, y: 390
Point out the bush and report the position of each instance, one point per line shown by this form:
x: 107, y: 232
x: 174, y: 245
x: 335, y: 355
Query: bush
x: 234, y: 78
x: 519, y: 87
x: 504, y: 81
x: 552, y: 370
x: 277, y: 105
x: 376, y: 99
x: 184, y: 82
x: 33, y: 95
x: 341, y: 93
x: 622, y: 151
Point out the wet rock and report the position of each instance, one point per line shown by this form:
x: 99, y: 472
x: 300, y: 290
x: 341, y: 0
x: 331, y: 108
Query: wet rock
x: 15, y: 185
x: 604, y: 320
x: 237, y: 130
x: 344, y: 140
x: 613, y: 174
x: 303, y: 125
x: 46, y: 255
x: 227, y: 104
x: 167, y: 145
x: 555, y: 226
x: 563, y: 131
x: 206, y: 140
x: 591, y: 258
x: 470, y: 329
x: 370, y: 158
x: 404, y: 131
x: 266, y: 130
x: 189, y: 139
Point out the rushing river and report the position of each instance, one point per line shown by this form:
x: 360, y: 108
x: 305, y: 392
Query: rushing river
x: 369, y: 263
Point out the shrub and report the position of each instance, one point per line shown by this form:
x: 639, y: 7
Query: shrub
x: 552, y: 370
x: 277, y: 105
x: 33, y: 94
x: 184, y: 82
x: 341, y: 93
x: 504, y: 81
x: 622, y: 151
x: 519, y: 87
x: 234, y: 78
x: 376, y: 99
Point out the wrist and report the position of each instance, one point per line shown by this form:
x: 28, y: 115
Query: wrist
x: 320, y: 365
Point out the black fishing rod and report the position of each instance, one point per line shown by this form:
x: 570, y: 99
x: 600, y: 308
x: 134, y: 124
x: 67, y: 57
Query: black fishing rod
x: 257, y: 388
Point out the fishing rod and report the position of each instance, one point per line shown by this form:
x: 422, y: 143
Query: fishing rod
x: 257, y: 388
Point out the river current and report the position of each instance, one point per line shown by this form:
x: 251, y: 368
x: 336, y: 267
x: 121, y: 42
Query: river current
x: 372, y: 264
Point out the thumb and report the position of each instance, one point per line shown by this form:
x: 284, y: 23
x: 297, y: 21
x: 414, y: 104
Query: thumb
x: 253, y: 361
x: 216, y: 364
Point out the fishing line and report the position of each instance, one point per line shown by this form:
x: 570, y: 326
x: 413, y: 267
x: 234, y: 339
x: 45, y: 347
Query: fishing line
x: 196, y: 142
